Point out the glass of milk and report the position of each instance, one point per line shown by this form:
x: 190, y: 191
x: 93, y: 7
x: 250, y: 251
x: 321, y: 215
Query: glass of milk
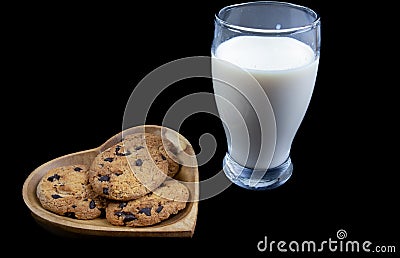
x: 264, y: 65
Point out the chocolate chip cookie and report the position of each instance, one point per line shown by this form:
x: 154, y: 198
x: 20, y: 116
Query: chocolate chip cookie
x: 66, y: 191
x: 129, y: 169
x: 157, y: 206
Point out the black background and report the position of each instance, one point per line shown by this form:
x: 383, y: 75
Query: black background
x: 74, y: 68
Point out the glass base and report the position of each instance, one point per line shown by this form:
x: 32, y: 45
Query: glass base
x: 257, y: 179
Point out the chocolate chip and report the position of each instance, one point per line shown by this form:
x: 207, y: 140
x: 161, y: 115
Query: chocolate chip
x: 159, y: 208
x: 122, y: 205
x: 70, y: 214
x: 127, y: 153
x: 109, y: 159
x: 126, y: 216
x: 92, y: 204
x: 139, y: 147
x: 77, y: 169
x: 118, y: 148
x: 163, y: 157
x: 105, y: 191
x: 85, y: 200
x: 53, y: 177
x: 124, y: 154
x: 118, y: 213
x: 139, y: 162
x: 146, y: 211
x: 104, y: 178
x: 56, y: 196
x: 129, y: 217
x: 73, y: 206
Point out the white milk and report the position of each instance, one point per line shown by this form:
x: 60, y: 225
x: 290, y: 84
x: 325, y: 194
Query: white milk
x: 286, y: 69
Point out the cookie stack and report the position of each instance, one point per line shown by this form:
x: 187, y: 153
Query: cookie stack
x: 128, y: 184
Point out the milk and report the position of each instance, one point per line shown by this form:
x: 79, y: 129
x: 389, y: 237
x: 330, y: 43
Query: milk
x: 286, y: 70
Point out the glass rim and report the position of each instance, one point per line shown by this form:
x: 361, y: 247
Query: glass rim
x: 303, y: 28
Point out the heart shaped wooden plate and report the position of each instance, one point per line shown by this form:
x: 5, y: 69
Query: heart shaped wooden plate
x: 179, y: 225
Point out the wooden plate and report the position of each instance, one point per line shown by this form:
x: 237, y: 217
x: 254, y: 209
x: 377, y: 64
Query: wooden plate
x: 179, y: 225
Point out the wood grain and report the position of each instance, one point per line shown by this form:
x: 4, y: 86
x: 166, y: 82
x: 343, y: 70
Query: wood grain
x: 179, y: 225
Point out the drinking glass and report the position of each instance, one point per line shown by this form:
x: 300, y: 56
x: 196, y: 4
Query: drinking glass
x: 265, y: 59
